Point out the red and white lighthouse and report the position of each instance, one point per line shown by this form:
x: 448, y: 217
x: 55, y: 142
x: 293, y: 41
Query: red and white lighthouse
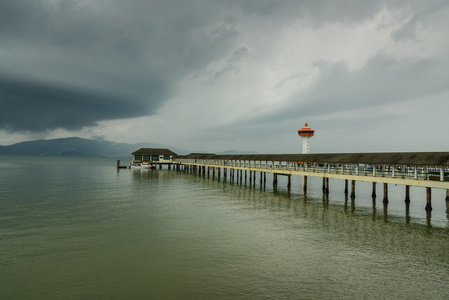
x: 306, y: 133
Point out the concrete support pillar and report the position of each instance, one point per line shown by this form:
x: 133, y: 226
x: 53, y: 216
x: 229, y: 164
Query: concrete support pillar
x: 374, y: 170
x: 407, y: 194
x: 275, y: 179
x: 327, y: 185
x: 441, y: 174
x: 429, y: 199
x: 352, y: 188
x: 346, y: 186
x: 393, y: 171
x: 373, y: 195
x: 385, y: 193
x: 305, y: 184
x: 415, y: 172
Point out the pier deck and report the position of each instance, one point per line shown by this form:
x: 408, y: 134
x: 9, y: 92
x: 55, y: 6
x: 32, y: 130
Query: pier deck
x: 422, y: 169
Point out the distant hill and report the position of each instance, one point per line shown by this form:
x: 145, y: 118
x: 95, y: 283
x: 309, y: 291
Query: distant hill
x: 75, y: 146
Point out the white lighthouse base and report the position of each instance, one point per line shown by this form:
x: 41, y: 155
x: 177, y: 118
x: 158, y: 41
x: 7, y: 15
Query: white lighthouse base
x: 305, y: 144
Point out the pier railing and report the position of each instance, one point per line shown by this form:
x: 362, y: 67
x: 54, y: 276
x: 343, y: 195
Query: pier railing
x: 429, y: 170
x: 420, y: 173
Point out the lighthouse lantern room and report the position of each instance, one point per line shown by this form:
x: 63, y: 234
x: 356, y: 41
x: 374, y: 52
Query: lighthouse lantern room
x: 306, y: 133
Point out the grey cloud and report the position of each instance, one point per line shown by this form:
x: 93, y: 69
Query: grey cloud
x: 381, y: 81
x: 34, y: 106
x: 408, y: 31
x: 136, y: 51
x: 233, y: 62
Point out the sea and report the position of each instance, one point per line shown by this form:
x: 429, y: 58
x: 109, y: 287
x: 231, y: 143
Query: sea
x: 78, y: 228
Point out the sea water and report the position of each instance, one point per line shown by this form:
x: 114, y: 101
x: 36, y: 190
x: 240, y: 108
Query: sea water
x: 77, y: 228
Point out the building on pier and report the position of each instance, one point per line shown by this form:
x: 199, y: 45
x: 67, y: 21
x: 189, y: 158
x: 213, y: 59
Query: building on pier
x: 153, y: 156
x: 306, y: 133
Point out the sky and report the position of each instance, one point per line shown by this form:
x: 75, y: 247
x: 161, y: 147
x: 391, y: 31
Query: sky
x: 211, y: 76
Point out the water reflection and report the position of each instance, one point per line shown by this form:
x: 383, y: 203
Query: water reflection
x: 447, y: 209
x: 385, y: 204
x: 428, y: 218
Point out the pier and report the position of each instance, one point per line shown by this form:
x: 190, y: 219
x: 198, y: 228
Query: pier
x: 422, y: 169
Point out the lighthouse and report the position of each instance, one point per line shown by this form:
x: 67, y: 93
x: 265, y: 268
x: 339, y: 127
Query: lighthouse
x: 306, y: 133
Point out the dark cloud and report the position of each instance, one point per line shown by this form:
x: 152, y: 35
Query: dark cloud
x: 383, y: 80
x: 408, y: 31
x: 122, y: 59
x: 32, y: 106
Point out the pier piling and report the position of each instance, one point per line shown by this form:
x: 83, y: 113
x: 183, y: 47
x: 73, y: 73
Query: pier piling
x: 385, y: 200
x: 407, y: 194
x: 346, y: 186
x: 352, y: 188
x: 429, y: 199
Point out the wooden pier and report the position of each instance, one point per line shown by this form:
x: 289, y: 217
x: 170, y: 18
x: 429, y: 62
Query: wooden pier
x: 422, y: 169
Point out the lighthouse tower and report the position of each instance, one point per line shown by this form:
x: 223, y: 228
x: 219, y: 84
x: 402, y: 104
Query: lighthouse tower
x: 306, y: 133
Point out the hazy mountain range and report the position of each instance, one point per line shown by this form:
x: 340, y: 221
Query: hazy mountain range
x: 75, y: 146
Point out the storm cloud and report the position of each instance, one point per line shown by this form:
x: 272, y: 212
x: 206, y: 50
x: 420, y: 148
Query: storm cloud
x: 219, y: 74
x: 33, y: 106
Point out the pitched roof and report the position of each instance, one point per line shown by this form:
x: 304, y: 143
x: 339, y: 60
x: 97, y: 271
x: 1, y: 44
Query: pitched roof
x: 404, y: 158
x: 154, y: 151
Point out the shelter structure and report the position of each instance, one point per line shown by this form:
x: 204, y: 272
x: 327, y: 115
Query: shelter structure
x: 153, y: 156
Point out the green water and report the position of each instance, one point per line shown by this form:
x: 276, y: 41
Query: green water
x: 75, y: 228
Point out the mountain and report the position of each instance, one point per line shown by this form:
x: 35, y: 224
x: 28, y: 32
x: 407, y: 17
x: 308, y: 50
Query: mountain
x: 75, y: 146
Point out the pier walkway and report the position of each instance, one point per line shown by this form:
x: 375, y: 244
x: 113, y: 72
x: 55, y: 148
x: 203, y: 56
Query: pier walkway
x: 423, y: 169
